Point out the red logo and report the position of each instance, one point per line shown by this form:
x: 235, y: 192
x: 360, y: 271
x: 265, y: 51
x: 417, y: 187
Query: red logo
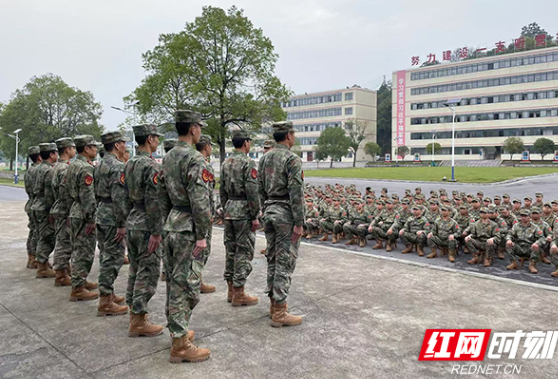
x: 156, y: 178
x: 454, y: 344
x: 254, y: 173
x: 205, y: 175
x: 88, y: 180
x: 122, y: 179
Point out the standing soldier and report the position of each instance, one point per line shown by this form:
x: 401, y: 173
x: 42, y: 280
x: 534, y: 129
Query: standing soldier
x: 112, y: 211
x: 144, y: 227
x: 60, y: 211
x: 79, y: 180
x: 42, y: 203
x: 239, y: 199
x: 281, y: 185
x: 523, y: 242
x: 268, y: 145
x: 385, y: 227
x: 414, y: 232
x: 184, y: 190
x: 34, y: 154
x: 168, y: 144
x: 444, y: 235
x: 482, y: 238
x: 205, y: 147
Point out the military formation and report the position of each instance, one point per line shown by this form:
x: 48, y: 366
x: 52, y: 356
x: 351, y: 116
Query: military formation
x: 483, y: 227
x: 138, y: 211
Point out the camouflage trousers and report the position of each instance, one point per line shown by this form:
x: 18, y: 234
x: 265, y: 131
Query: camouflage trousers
x: 379, y: 234
x: 523, y: 251
x: 143, y: 274
x: 240, y: 242
x: 474, y: 245
x: 311, y: 227
x: 47, y: 239
x: 184, y: 273
x: 281, y: 252
x: 328, y: 226
x: 63, y: 247
x: 412, y: 239
x: 83, y: 251
x: 111, y: 258
x: 33, y: 237
x: 352, y: 230
x: 438, y: 242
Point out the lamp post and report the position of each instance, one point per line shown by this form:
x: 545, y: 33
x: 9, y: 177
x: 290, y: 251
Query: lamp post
x: 433, y: 140
x: 130, y: 129
x: 451, y: 105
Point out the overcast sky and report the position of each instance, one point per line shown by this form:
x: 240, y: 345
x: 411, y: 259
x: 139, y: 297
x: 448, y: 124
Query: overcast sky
x: 322, y: 44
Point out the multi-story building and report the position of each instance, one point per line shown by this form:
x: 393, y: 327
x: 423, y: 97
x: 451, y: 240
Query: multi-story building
x: 312, y: 113
x: 501, y: 96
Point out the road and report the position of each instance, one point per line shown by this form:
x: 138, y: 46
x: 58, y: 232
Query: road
x: 8, y: 193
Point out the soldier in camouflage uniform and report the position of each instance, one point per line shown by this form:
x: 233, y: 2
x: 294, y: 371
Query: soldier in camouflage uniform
x: 511, y: 220
x: 385, y: 226
x: 544, y: 249
x: 311, y: 215
x: 444, y: 235
x: 61, y: 210
x: 168, y: 144
x: 355, y: 228
x: 281, y: 183
x: 333, y: 221
x: 554, y: 247
x: 112, y: 210
x: 184, y: 197
x: 474, y: 211
x: 34, y: 154
x: 414, y: 231
x: 268, y: 145
x: 482, y: 238
x: 79, y: 181
x: 524, y: 241
x: 144, y: 228
x: 539, y: 203
x: 516, y: 207
x: 502, y: 225
x: 548, y: 216
x: 42, y: 203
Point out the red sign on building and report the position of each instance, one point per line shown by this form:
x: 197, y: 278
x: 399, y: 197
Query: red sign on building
x: 401, y: 108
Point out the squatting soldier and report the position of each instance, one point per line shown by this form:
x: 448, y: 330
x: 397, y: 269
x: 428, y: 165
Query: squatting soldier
x: 168, y: 144
x: 502, y: 225
x: 79, y: 180
x: 405, y: 211
x: 61, y: 210
x: 355, y: 228
x: 42, y: 202
x: 538, y: 200
x: 414, y: 232
x: 280, y: 188
x: 463, y: 219
x: 547, y: 214
x: 523, y: 241
x: 144, y: 228
x: 482, y: 238
x: 510, y: 220
x: 516, y: 207
x: 184, y: 194
x: 554, y: 249
x: 312, y: 217
x: 34, y: 154
x: 239, y: 199
x: 385, y: 227
x: 333, y: 221
x: 112, y: 210
x: 546, y: 235
x: 444, y: 235
x: 474, y: 211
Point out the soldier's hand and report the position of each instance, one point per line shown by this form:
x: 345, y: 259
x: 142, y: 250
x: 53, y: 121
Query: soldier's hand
x: 429, y: 235
x: 120, y: 234
x: 154, y: 242
x: 451, y: 238
x: 535, y: 247
x: 549, y: 238
x: 297, y: 233
x: 554, y: 249
x: 467, y: 239
x: 381, y: 223
x: 490, y: 241
x: 200, y: 246
x: 336, y: 222
x: 401, y: 232
x: 390, y: 231
x: 370, y: 229
x: 90, y: 229
x: 255, y: 225
x: 419, y: 232
x: 464, y: 233
x: 509, y: 243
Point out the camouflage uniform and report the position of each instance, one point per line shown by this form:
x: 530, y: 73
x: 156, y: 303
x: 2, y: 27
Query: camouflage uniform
x: 411, y: 227
x: 144, y: 220
x: 357, y: 226
x: 33, y: 236
x: 42, y: 202
x: 480, y: 232
x: 523, y: 237
x: 331, y: 215
x: 185, y: 204
x: 211, y: 194
x: 383, y: 222
x: 510, y: 221
x: 112, y: 210
x: 441, y: 231
x: 314, y: 215
x: 281, y: 195
x: 79, y: 180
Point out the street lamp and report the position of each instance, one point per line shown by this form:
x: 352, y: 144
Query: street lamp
x: 451, y: 103
x: 433, y: 139
x: 16, y: 132
x: 131, y: 129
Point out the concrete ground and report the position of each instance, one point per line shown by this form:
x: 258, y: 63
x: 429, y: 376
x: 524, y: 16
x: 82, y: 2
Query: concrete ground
x: 364, y: 317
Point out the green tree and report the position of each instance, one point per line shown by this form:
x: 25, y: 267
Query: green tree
x: 437, y: 148
x: 333, y: 143
x: 383, y: 125
x: 513, y: 145
x: 372, y: 149
x: 356, y: 131
x: 319, y: 156
x: 220, y: 65
x: 544, y: 146
x: 402, y: 151
x: 532, y: 30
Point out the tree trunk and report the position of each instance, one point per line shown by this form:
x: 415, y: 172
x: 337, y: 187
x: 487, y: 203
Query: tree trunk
x: 354, y: 159
x: 27, y: 164
x: 511, y: 157
x: 331, y: 163
x: 222, y: 151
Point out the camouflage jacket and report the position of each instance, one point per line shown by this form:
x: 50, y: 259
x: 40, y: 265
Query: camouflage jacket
x: 386, y: 220
x: 141, y: 178
x: 311, y: 213
x: 464, y: 221
x: 184, y: 192
x: 239, y: 188
x: 511, y: 220
x: 525, y: 236
x: 335, y: 214
x: 358, y: 218
x: 432, y: 216
x: 281, y: 182
x: 474, y: 214
x: 549, y: 219
x: 43, y: 198
x: 482, y: 232
x: 415, y: 224
x: 79, y: 182
x: 503, y: 225
x: 544, y: 227
x: 62, y: 201
x: 111, y: 193
x: 29, y: 180
x: 404, y: 215
x: 445, y: 228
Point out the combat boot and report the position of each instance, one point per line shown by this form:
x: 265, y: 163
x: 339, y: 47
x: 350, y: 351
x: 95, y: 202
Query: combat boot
x: 82, y: 294
x: 501, y: 255
x: 350, y: 242
x: 544, y: 259
x: 408, y: 249
x: 362, y: 242
x: 107, y: 307
x: 433, y: 253
x: 240, y: 298
x: 487, y: 261
x: 206, y: 288
x: 378, y: 245
x: 183, y: 350
x: 117, y: 299
x: 140, y: 327
x: 91, y: 285
x: 335, y: 238
x: 281, y: 318
x: 554, y: 273
x: 466, y: 250
x: 324, y: 238
x: 43, y: 271
x: 420, y: 250
x: 230, y: 290
x: 444, y: 251
x: 475, y: 260
x: 533, y: 267
x: 31, y: 262
x: 389, y: 246
x: 451, y: 256
x: 62, y: 279
x: 309, y: 236
x: 512, y: 265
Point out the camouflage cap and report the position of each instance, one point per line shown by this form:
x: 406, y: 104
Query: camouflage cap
x: 492, y: 208
x: 33, y: 150
x: 469, y: 195
x: 539, y: 194
x: 64, y: 142
x: 483, y: 210
x: 497, y: 197
x: 380, y: 202
x: 555, y: 201
x: 385, y: 190
x: 420, y: 197
x: 535, y: 210
x: 480, y: 193
x: 407, y: 191
x: 84, y: 140
x: 43, y: 147
x: 206, y: 139
x: 524, y: 212
x: 547, y: 204
x: 268, y: 144
x: 282, y: 126
x: 487, y: 199
x: 146, y: 130
x: 463, y: 206
x: 310, y: 200
x: 388, y: 201
x: 433, y: 191
x: 188, y: 117
x: 241, y: 134
x: 505, y: 196
x: 395, y: 196
x: 455, y: 192
x: 435, y: 202
x: 416, y: 208
x: 462, y: 194
x: 444, y: 208
x: 405, y: 202
x: 418, y: 189
x: 528, y: 198
x: 112, y: 137
x: 170, y: 143
x: 516, y: 201
x: 503, y: 208
x: 475, y: 200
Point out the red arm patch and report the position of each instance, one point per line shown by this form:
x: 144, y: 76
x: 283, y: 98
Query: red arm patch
x: 122, y: 179
x: 254, y: 173
x: 302, y: 174
x: 88, y: 180
x: 205, y: 175
x: 155, y: 178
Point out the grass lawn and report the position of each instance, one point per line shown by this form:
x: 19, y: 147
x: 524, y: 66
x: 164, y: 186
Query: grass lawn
x: 10, y: 182
x: 462, y: 174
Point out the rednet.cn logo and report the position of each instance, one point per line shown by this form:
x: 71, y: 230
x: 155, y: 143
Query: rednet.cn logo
x: 472, y: 345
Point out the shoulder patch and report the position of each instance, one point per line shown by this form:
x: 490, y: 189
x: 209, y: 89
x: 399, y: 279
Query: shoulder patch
x: 540, y: 232
x: 156, y: 178
x: 122, y: 178
x: 88, y: 180
x: 205, y: 175
x: 254, y: 173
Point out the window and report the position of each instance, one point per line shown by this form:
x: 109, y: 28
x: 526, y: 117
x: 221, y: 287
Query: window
x: 348, y: 111
x: 348, y: 96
